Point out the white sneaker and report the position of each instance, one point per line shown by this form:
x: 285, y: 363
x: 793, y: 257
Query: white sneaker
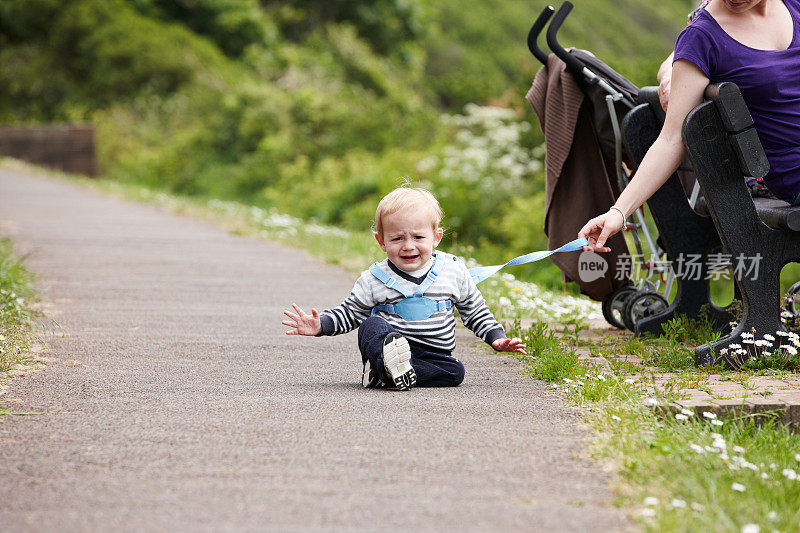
x: 369, y: 379
x: 397, y: 361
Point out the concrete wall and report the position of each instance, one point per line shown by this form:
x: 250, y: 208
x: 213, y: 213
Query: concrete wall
x: 68, y: 147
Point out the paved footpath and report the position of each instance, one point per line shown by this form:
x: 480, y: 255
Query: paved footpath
x: 172, y: 399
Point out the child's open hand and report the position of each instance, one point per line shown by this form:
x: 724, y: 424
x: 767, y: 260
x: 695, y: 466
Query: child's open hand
x: 509, y: 345
x: 301, y: 323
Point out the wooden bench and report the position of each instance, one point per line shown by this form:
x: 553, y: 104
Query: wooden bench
x: 723, y: 147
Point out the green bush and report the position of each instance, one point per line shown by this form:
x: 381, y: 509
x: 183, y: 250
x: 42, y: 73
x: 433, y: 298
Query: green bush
x: 233, y: 25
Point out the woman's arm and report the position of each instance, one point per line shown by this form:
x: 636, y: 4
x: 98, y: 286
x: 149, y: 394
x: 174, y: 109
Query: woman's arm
x: 661, y: 160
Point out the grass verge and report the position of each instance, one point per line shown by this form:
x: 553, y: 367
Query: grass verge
x: 16, y: 316
x: 687, y: 472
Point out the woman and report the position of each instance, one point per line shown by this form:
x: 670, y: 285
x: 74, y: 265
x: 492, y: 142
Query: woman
x: 753, y: 43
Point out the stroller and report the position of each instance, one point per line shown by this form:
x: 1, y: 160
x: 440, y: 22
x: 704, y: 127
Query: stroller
x: 611, y: 97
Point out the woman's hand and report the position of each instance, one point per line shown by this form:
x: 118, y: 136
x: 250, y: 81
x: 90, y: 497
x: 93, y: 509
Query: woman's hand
x: 509, y: 345
x: 600, y: 228
x: 664, y: 77
x: 301, y: 323
x: 663, y: 90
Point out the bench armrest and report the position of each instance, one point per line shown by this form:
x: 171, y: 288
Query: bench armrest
x: 729, y: 102
x: 739, y: 124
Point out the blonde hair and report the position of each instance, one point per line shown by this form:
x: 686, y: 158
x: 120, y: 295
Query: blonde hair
x: 405, y: 197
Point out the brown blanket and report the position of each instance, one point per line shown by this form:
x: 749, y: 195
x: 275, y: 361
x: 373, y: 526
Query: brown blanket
x: 577, y: 178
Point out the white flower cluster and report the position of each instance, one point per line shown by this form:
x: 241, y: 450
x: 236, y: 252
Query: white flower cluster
x: 10, y: 300
x: 738, y: 461
x: 675, y: 503
x: 486, y: 153
x: 274, y: 222
x: 751, y: 347
x: 527, y: 299
x: 13, y: 315
x: 713, y: 418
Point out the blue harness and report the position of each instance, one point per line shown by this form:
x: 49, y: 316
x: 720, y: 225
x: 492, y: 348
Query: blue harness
x: 415, y: 306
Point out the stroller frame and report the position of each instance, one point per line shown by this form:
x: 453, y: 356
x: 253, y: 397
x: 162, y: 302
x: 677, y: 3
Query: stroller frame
x: 644, y: 298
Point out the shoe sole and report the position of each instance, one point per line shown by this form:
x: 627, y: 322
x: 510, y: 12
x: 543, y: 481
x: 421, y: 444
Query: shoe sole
x: 368, y: 380
x: 397, y: 361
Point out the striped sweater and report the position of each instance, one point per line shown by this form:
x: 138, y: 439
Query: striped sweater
x: 438, y: 331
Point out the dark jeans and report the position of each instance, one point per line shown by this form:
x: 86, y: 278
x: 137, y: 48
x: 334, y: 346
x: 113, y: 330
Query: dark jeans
x: 434, y: 368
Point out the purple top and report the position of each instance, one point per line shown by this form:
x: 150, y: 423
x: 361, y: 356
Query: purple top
x: 770, y: 84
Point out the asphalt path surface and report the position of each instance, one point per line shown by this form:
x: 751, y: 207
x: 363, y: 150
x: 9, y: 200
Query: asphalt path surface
x: 173, y: 400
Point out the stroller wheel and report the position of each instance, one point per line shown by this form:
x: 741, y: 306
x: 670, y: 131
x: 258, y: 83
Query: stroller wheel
x: 791, y: 302
x: 614, y: 305
x: 791, y: 306
x: 641, y: 305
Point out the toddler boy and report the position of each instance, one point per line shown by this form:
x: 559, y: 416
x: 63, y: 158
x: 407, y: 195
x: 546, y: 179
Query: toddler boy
x: 403, y: 306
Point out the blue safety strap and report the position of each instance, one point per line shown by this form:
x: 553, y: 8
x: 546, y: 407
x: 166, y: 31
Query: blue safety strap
x: 413, y: 304
x: 413, y: 308
x: 481, y: 273
x: 384, y: 308
x: 389, y: 281
x: 433, y: 273
x: 417, y: 307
